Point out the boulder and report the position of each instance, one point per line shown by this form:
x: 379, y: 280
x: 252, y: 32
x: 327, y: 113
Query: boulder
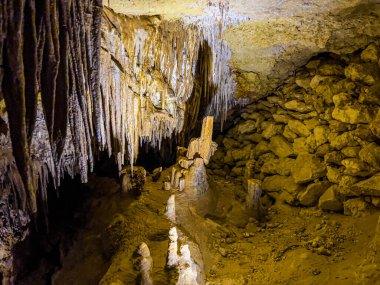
x: 334, y: 157
x: 370, y: 95
x: 300, y: 146
x: 288, y: 134
x: 279, y: 166
x: 355, y: 167
x: 307, y: 167
x: 241, y: 153
x: 280, y: 146
x: 310, y: 196
x: 351, y: 151
x: 330, y: 201
x: 299, y: 106
x: 343, y: 140
x: 278, y: 183
x: 271, y: 130
x: 321, y: 135
x: 334, y: 174
x: 255, y: 138
x: 365, y: 73
x: 230, y: 143
x: 298, y: 128
x: 353, y: 114
x: 281, y: 118
x: 375, y: 125
x: 261, y: 148
x: 370, y: 154
x: 342, y: 99
x: 356, y: 208
x: 370, y: 186
x: 228, y: 158
x: 330, y: 69
x: 370, y: 54
x: 247, y: 127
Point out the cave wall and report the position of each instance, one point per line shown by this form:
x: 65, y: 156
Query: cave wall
x: 315, y: 141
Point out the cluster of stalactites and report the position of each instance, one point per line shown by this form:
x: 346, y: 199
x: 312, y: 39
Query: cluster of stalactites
x: 147, y: 74
x: 49, y: 68
x: 211, y: 26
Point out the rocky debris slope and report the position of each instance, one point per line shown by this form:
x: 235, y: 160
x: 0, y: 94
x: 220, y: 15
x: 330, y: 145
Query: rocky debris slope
x: 315, y: 140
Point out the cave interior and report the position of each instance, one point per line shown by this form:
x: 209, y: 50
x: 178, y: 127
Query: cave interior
x: 189, y: 142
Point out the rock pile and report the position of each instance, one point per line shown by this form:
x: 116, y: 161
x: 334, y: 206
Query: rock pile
x: 315, y: 140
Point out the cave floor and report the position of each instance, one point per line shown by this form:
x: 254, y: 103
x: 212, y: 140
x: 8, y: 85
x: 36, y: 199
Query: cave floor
x: 294, y: 246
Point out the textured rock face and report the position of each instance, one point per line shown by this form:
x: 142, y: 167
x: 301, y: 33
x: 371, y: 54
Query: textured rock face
x: 276, y: 37
x: 306, y: 152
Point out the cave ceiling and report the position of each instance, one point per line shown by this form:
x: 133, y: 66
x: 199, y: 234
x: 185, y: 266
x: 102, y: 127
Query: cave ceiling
x: 274, y: 37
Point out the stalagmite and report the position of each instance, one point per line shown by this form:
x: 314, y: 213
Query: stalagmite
x: 146, y: 264
x: 173, y: 248
x: 187, y: 268
x: 170, y: 209
x: 253, y: 199
x: 203, y: 146
x: 133, y: 180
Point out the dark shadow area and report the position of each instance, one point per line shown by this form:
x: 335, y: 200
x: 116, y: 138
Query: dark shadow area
x: 39, y: 255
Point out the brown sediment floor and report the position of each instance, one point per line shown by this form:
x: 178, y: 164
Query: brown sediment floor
x: 294, y: 246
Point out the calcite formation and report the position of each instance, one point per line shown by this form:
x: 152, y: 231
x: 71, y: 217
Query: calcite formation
x: 190, y: 173
x: 316, y: 141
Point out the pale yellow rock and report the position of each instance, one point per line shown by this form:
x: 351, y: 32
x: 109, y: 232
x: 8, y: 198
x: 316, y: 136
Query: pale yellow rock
x: 280, y: 146
x: 321, y: 135
x: 351, y: 151
x: 287, y: 133
x: 370, y: 54
x: 298, y: 106
x: 298, y: 128
x: 330, y: 201
x: 307, y: 167
x: 355, y: 114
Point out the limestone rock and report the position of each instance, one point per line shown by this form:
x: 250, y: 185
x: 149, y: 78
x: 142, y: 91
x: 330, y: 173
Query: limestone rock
x: 279, y: 166
x: 370, y: 54
x: 241, y: 153
x: 298, y: 106
x: 351, y: 151
x: 230, y: 143
x: 365, y: 73
x: 342, y: 99
x: 278, y: 183
x: 375, y: 125
x: 133, y: 180
x: 255, y: 137
x: 321, y: 135
x: 370, y: 95
x: 334, y: 157
x: 311, y: 195
x: 330, y: 69
x: 298, y: 128
x: 356, y: 207
x: 306, y: 168
x: 370, y: 154
x: 288, y: 134
x: 354, y: 114
x: 280, y: 146
x: 247, y: 127
x: 329, y: 200
x: 300, y: 146
x: 356, y: 167
x: 370, y: 187
x: 334, y: 174
x: 271, y: 130
x: 261, y: 148
x: 204, y: 146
